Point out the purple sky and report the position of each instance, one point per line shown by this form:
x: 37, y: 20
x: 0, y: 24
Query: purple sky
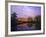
x: 26, y: 11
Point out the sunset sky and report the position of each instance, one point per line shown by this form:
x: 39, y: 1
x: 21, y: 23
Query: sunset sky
x: 26, y: 11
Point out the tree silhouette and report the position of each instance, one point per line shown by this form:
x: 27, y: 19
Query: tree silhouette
x: 13, y: 22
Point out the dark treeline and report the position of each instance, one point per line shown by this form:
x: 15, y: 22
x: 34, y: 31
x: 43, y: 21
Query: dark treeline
x: 13, y: 22
x: 38, y: 26
x: 37, y: 23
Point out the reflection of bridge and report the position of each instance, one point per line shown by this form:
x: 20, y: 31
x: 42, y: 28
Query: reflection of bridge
x: 25, y: 25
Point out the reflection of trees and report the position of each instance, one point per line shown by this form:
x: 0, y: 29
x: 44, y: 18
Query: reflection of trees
x: 13, y: 22
x: 37, y: 22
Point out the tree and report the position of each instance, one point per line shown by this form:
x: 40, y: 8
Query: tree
x: 13, y: 22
